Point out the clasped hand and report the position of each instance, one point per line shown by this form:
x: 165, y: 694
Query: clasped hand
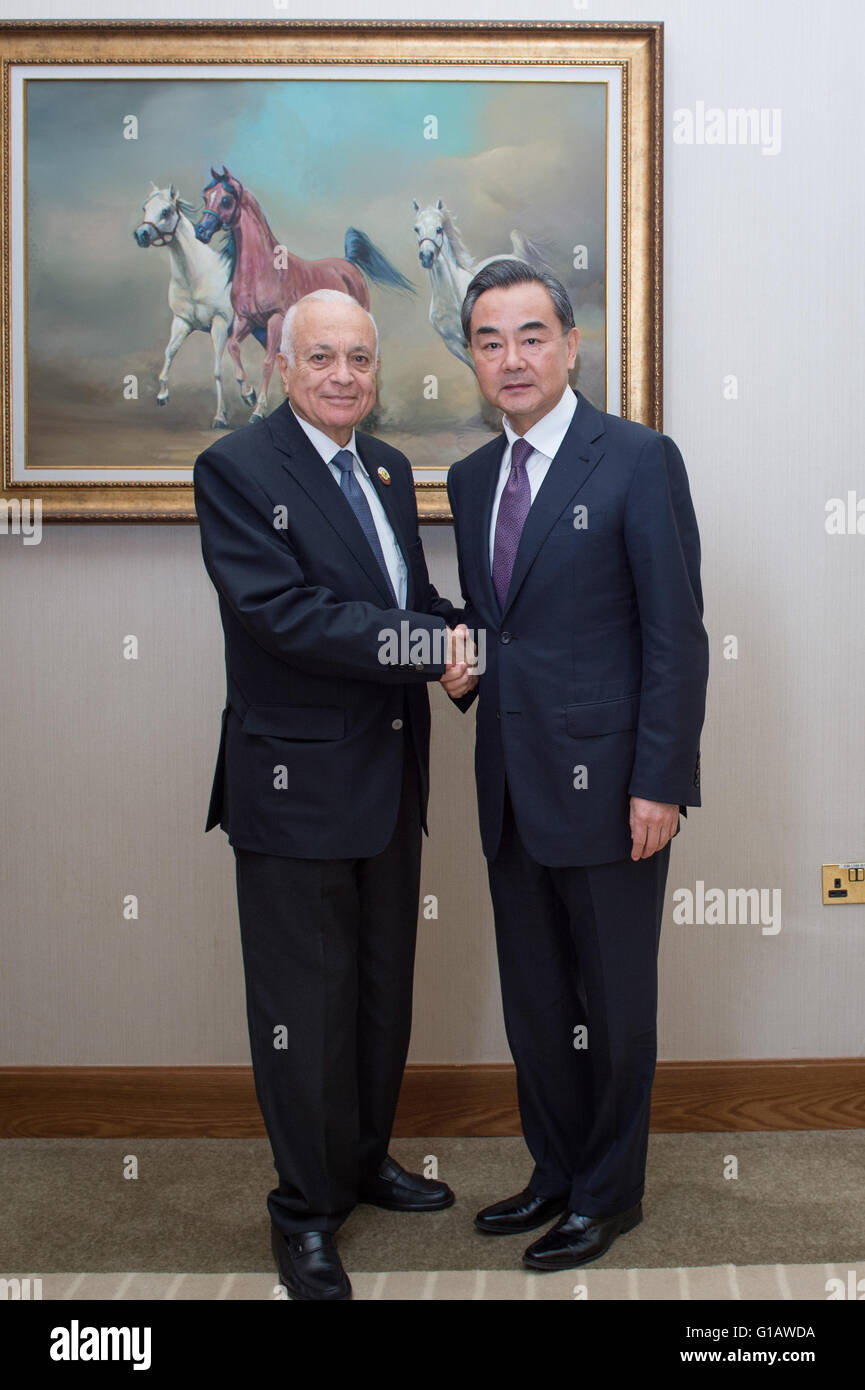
x: 461, y: 660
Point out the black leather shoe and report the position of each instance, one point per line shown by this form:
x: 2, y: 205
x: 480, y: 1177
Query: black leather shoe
x: 516, y: 1215
x: 577, y: 1240
x: 396, y: 1190
x: 309, y: 1265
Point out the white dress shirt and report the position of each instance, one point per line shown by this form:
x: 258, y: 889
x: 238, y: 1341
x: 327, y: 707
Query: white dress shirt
x: 545, y: 438
x: 327, y: 448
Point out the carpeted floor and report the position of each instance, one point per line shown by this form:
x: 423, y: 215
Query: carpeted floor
x: 198, y: 1206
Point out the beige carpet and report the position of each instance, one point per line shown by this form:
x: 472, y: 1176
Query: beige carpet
x: 197, y: 1209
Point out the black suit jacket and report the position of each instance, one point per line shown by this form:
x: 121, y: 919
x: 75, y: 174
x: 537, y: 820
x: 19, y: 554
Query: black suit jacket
x: 596, y: 670
x: 310, y: 757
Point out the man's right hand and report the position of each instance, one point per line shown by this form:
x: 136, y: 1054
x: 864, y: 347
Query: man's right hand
x: 461, y: 662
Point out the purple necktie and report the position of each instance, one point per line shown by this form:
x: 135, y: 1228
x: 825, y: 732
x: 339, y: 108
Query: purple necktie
x: 513, y: 509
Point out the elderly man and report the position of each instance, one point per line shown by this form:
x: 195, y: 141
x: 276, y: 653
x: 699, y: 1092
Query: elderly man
x: 309, y: 534
x: 579, y: 552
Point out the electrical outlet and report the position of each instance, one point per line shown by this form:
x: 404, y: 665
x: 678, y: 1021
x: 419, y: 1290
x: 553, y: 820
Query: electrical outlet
x: 843, y: 883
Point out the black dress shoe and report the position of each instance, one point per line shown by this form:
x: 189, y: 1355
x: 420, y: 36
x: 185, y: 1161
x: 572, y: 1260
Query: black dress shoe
x: 577, y: 1240
x: 516, y: 1215
x: 396, y: 1190
x: 309, y: 1265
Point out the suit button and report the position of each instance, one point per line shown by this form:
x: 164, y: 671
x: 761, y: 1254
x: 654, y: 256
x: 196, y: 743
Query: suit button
x: 504, y: 637
x: 498, y: 714
x: 397, y: 724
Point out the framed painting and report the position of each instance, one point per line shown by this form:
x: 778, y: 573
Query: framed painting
x: 170, y: 188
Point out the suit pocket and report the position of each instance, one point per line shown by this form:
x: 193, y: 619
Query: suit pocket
x: 603, y: 716
x: 575, y: 524
x: 299, y: 722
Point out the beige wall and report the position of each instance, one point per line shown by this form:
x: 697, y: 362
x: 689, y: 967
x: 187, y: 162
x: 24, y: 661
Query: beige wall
x: 105, y: 764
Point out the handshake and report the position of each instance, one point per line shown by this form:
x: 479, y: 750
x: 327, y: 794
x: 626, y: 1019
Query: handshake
x: 461, y: 663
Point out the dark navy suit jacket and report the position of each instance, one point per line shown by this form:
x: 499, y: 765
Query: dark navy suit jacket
x: 303, y: 604
x: 600, y: 658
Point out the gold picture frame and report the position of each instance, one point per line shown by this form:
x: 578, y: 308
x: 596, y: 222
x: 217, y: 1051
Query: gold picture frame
x: 627, y: 57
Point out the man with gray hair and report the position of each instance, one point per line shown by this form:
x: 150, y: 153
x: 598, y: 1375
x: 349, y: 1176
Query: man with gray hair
x: 309, y: 533
x: 579, y: 553
x: 286, y: 342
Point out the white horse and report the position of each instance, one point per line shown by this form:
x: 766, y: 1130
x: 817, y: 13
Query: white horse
x: 199, y: 290
x: 442, y: 251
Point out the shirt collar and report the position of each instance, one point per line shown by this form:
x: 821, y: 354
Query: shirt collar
x: 321, y: 442
x: 546, y: 436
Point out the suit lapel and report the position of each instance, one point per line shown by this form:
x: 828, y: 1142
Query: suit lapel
x: 580, y: 451
x: 482, y: 480
x: 308, y: 468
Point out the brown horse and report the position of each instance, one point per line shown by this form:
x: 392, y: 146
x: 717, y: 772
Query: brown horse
x: 268, y: 278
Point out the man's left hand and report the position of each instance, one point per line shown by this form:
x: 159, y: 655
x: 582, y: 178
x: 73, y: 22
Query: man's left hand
x: 653, y: 825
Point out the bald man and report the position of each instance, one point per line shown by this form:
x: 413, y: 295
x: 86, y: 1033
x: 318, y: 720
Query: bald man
x: 309, y: 533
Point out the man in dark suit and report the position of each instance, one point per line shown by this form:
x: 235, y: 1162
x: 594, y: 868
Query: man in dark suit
x: 309, y: 534
x: 579, y: 553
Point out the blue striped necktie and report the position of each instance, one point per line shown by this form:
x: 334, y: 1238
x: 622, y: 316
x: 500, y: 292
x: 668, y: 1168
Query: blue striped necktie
x: 352, y: 489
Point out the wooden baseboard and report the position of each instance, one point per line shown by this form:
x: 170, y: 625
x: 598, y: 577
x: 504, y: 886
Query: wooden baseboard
x: 436, y: 1100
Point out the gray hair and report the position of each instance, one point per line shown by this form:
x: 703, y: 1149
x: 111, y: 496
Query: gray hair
x: 511, y: 271
x: 286, y: 342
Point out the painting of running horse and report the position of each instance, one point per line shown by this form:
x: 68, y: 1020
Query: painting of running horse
x: 442, y: 251
x: 199, y: 285
x: 268, y: 278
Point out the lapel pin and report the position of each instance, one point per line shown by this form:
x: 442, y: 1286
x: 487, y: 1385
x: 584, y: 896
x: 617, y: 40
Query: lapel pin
x: 385, y: 476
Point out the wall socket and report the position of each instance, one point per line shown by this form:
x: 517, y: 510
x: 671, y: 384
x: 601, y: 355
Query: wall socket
x: 843, y: 883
